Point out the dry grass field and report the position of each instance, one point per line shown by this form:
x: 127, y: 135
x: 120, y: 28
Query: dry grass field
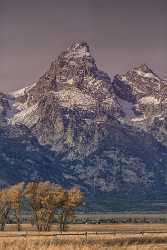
x: 98, y: 237
x: 80, y: 243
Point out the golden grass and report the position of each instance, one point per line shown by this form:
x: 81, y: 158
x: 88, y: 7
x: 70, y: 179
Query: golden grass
x: 124, y: 237
x: 132, y: 242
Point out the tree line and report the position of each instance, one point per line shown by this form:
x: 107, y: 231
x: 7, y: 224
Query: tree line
x: 44, y: 199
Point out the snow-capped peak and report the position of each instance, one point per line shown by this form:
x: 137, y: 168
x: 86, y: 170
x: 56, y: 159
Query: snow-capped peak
x: 78, y: 46
x: 78, y: 49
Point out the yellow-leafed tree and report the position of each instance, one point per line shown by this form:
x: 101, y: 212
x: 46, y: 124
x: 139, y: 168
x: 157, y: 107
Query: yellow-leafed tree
x: 5, y: 207
x: 15, y: 195
x: 44, y: 198
x: 74, y: 198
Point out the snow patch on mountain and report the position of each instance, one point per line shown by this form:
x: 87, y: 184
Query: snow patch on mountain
x: 127, y: 108
x: 147, y: 75
x: 73, y: 97
x: 28, y: 116
x: 149, y: 100
x: 23, y: 91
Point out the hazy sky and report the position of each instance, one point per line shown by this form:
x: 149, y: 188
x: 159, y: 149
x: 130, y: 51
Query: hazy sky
x: 121, y: 34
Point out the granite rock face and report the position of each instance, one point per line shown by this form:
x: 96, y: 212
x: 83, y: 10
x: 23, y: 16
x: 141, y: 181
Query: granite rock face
x: 143, y: 89
x: 109, y: 137
x: 71, y: 104
x: 144, y: 97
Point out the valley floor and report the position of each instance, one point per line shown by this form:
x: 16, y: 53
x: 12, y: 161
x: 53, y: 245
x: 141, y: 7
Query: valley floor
x: 80, y: 243
x: 106, y: 228
x: 87, y: 237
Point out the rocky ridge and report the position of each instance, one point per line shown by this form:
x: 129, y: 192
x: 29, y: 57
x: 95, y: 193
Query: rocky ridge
x: 144, y: 97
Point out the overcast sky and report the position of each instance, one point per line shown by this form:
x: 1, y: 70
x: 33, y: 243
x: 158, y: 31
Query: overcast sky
x: 121, y: 34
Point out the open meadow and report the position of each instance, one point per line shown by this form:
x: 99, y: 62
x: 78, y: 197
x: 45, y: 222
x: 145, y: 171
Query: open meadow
x: 87, y: 237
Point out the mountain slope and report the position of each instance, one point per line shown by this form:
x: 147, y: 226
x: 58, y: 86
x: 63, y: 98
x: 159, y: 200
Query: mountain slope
x: 108, y: 137
x: 22, y: 158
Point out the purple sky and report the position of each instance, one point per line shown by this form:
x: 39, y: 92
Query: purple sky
x: 121, y: 34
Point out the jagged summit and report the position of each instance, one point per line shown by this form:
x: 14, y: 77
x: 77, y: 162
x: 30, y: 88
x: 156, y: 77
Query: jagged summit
x: 79, y: 44
x: 78, y: 49
x: 138, y: 82
x: 143, y: 92
x: 77, y: 54
x: 142, y: 71
x: 74, y: 68
x: 71, y: 100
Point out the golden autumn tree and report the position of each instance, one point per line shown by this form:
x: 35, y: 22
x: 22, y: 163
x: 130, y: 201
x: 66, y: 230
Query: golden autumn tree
x: 15, y: 196
x: 5, y: 206
x: 74, y: 198
x: 44, y: 198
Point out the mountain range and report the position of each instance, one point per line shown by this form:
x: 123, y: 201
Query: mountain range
x: 76, y: 126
